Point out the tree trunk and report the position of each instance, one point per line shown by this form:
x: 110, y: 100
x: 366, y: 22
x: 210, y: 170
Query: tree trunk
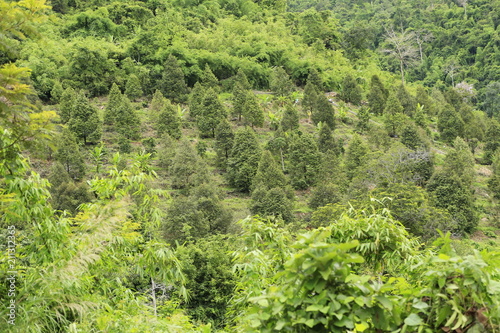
x: 402, y: 71
x: 153, y: 295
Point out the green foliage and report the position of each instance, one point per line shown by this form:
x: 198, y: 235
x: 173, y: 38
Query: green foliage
x: 460, y: 162
x: 196, y: 216
x: 450, y: 193
x: 273, y: 202
x: 244, y: 159
x: 224, y: 138
x: 323, y: 111
x: 187, y: 169
x: 407, y: 101
x: 133, y: 89
x: 57, y: 92
x: 351, y: 91
x: 172, y: 83
x: 494, y: 181
x: 195, y: 100
x: 280, y: 82
x: 326, y: 141
x: 450, y: 124
x: 393, y: 115
x: 67, y: 104
x: 84, y: 122
x: 69, y: 155
x: 305, y: 161
x: 253, y: 113
x: 290, y: 120
x: 208, y: 79
x: 169, y: 121
x: 491, y: 99
x: 211, y: 114
x: 492, y: 141
x: 377, y: 95
x: 410, y: 137
x: 356, y: 155
x: 115, y: 99
x: 210, y: 280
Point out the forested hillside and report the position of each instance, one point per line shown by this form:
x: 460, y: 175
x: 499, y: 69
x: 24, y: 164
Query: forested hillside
x: 250, y: 166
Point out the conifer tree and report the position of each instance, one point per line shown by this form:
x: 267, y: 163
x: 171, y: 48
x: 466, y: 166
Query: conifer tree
x: 224, y: 138
x: 69, y: 155
x: 326, y: 141
x: 195, y: 100
x: 494, y: 181
x: 323, y: 111
x: 67, y: 104
x: 271, y: 195
x: 315, y: 79
x: 273, y: 202
x: 311, y: 94
x: 450, y: 193
x: 65, y: 193
x: 114, y: 101
x: 242, y: 79
x: 240, y: 95
x: 212, y: 113
x: 363, y: 119
x: 269, y: 174
x: 244, y: 160
x: 126, y: 120
x: 450, y: 124
x: 169, y: 121
x: 253, y: 113
x: 492, y: 141
x: 281, y: 84
x: 133, y: 89
x: 208, y: 79
x: 423, y: 99
x: 410, y: 137
x: 156, y: 106
x: 187, y: 170
x: 377, y: 95
x: 84, y: 121
x: 172, y: 84
x: 407, y: 101
x: 56, y: 92
x: 356, y: 155
x: 305, y: 159
x: 460, y: 162
x: 393, y: 115
x: 351, y: 91
x: 290, y: 120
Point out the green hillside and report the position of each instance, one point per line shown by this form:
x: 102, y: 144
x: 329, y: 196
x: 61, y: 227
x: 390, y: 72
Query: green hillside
x: 250, y: 166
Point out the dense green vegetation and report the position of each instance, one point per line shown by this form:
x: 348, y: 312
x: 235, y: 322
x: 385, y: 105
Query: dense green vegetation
x: 249, y: 166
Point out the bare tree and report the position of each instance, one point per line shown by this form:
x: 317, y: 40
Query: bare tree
x: 463, y: 3
x: 452, y: 69
x: 402, y: 48
x: 422, y: 36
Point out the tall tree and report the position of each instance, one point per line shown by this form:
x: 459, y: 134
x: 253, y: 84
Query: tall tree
x: 208, y: 79
x: 492, y: 141
x: 351, y: 91
x: 356, y: 155
x: 169, y: 121
x: 224, y: 138
x: 280, y: 82
x: 244, y: 160
x: 114, y: 101
x: 326, y: 141
x: 290, y: 119
x: 84, y: 122
x: 187, y: 170
x: 173, y: 84
x: 195, y: 100
x: 393, y: 115
x: 69, y: 155
x: 450, y: 124
x: 67, y: 104
x: 253, y: 113
x: 212, y: 113
x: 323, y: 111
x: 133, y: 88
x: 402, y: 48
x: 460, y: 161
x: 377, y: 95
x: 305, y: 159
